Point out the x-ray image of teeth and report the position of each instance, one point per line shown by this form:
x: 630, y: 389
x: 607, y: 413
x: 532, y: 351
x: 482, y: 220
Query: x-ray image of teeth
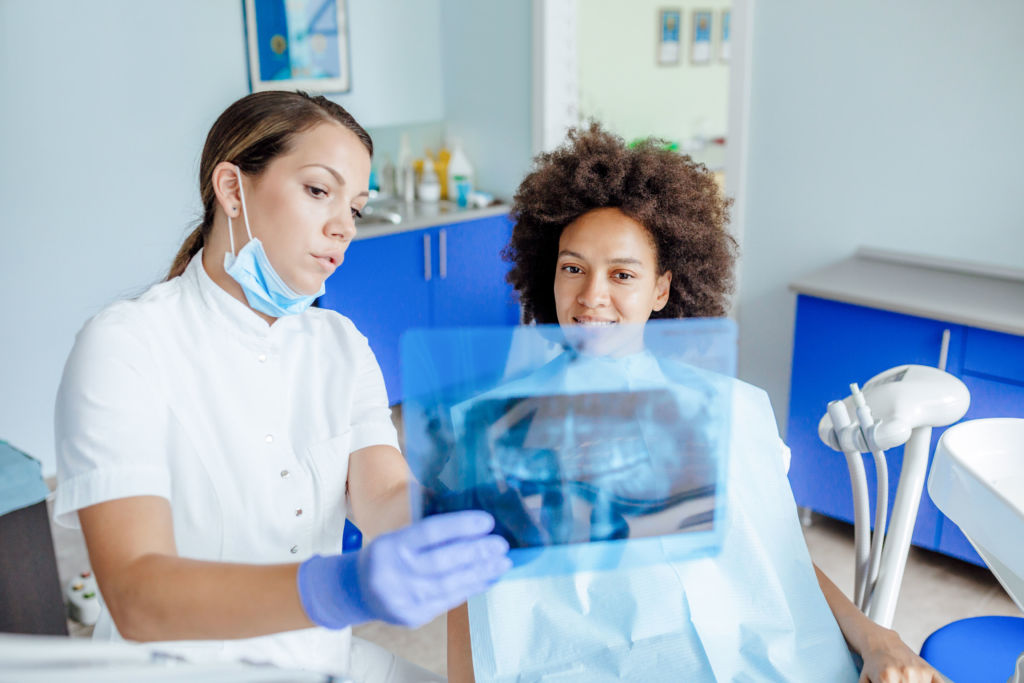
x: 576, y: 451
x: 591, y: 467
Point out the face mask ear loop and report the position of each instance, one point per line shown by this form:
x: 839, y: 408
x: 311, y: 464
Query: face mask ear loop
x: 231, y: 236
x: 245, y: 213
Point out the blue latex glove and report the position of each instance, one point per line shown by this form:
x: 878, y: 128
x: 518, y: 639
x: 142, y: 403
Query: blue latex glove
x: 406, y: 577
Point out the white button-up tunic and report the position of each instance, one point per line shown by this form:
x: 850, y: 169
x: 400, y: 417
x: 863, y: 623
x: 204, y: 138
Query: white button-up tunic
x: 246, y: 428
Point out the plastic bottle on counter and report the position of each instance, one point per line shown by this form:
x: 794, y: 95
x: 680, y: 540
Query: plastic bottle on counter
x: 388, y: 186
x: 404, y: 162
x: 429, y: 189
x: 460, y: 176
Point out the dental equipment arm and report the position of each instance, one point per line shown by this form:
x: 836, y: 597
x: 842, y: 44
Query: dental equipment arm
x: 898, y: 406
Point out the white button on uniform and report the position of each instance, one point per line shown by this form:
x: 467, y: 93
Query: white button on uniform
x: 294, y: 549
x: 269, y: 438
x: 285, y: 474
x: 262, y: 358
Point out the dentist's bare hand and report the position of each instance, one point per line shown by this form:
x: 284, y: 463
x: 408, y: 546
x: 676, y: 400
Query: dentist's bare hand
x: 889, y: 660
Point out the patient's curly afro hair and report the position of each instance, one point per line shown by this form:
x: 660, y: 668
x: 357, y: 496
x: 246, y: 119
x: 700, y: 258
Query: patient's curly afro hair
x: 676, y: 199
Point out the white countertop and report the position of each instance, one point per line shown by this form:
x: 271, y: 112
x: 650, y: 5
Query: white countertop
x: 978, y: 295
x: 420, y: 215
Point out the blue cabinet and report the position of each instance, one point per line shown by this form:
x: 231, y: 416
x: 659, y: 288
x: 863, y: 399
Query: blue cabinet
x: 449, y: 275
x: 836, y: 344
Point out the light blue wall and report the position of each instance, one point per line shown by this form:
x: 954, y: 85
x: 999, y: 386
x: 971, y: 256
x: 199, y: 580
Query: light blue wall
x: 487, y: 74
x: 104, y: 110
x: 396, y: 62
x: 896, y: 125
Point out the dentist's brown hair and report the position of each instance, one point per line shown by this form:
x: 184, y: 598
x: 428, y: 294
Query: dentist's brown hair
x: 251, y: 133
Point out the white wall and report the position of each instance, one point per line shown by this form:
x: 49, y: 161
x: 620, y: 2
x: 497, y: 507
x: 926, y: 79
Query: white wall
x: 895, y: 125
x: 104, y: 111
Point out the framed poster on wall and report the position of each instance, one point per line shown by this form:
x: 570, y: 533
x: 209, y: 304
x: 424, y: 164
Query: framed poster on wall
x: 700, y: 37
x: 297, y: 45
x: 669, y: 35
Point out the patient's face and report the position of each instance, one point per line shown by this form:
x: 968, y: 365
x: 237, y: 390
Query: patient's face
x: 607, y: 271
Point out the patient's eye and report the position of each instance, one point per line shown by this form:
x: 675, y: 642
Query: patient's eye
x: 571, y: 269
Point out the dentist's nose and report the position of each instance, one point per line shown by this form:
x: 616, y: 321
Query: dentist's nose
x: 342, y: 227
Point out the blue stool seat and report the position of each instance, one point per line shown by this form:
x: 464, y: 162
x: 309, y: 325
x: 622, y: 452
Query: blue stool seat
x: 977, y: 650
x: 351, y: 538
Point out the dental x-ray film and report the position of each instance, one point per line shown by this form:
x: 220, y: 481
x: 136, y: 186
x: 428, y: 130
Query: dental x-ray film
x: 592, y: 449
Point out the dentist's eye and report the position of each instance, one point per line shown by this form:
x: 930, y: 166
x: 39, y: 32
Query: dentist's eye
x: 572, y: 270
x: 356, y: 213
x: 317, y: 192
x: 624, y: 276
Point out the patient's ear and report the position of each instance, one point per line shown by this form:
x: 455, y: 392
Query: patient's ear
x: 662, y: 288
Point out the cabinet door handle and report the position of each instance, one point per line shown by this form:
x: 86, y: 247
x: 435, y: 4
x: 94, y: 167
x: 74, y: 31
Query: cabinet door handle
x: 426, y: 258
x: 944, y: 349
x: 442, y: 254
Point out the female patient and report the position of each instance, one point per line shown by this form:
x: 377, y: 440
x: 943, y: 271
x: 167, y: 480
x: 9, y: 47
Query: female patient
x: 608, y: 234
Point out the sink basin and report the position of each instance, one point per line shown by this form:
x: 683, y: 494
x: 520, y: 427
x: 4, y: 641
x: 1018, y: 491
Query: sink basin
x: 977, y: 480
x: 379, y: 214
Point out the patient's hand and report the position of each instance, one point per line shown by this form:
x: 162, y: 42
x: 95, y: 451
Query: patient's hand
x: 887, y: 659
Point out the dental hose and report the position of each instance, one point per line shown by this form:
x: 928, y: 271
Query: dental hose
x: 868, y: 426
x: 858, y: 481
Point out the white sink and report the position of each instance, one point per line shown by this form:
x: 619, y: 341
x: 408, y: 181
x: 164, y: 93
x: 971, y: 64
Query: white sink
x: 977, y: 480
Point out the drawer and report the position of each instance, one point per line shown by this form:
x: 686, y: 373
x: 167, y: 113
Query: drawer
x: 994, y: 354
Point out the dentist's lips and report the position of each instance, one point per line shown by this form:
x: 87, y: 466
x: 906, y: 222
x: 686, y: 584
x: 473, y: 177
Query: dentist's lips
x: 328, y: 261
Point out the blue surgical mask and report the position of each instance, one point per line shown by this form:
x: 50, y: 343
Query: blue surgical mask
x: 264, y: 289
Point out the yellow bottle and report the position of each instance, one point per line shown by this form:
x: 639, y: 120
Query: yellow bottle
x: 441, y: 166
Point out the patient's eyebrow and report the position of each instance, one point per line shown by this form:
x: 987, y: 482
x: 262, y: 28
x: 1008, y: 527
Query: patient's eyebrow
x: 620, y: 261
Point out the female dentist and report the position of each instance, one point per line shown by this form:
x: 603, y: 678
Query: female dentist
x: 213, y: 434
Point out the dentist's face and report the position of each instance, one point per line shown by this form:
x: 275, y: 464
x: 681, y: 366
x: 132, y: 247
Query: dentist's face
x: 607, y: 271
x: 303, y: 206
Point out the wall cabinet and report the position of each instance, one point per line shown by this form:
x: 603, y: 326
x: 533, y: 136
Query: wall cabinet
x: 838, y: 343
x: 444, y: 276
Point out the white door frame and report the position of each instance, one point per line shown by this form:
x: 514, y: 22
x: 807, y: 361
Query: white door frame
x: 556, y: 95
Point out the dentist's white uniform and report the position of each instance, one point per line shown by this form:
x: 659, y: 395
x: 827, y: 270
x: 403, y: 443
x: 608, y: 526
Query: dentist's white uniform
x: 246, y: 428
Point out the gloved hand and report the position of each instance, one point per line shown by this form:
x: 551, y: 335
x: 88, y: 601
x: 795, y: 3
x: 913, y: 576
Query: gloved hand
x: 406, y: 577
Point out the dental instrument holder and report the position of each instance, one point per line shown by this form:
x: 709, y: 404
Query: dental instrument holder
x: 896, y: 407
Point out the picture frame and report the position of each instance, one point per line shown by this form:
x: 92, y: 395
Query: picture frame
x: 297, y: 46
x: 700, y: 36
x: 724, y: 49
x: 670, y: 27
